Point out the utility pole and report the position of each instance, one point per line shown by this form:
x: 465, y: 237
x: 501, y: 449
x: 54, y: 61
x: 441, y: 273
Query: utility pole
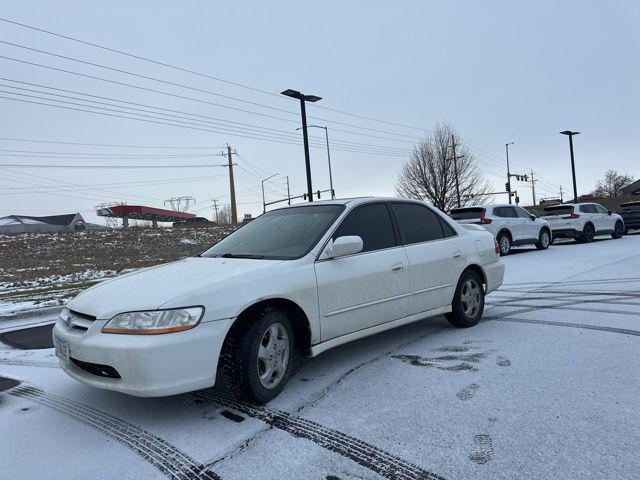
x: 561, y: 198
x: 506, y: 146
x: 288, y: 192
x: 232, y: 189
x: 570, y: 134
x: 455, y: 167
x: 533, y: 188
x: 264, y: 204
x: 215, y: 208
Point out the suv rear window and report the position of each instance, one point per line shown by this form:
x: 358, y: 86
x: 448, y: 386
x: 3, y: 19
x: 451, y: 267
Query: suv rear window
x: 558, y: 210
x: 466, y: 213
x: 629, y: 207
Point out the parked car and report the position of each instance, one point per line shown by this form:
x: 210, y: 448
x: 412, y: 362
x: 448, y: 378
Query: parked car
x: 303, y: 278
x: 583, y: 221
x: 511, y: 225
x: 630, y: 213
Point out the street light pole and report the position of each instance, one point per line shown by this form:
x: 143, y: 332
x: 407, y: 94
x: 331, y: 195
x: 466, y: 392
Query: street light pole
x: 506, y: 146
x: 264, y: 204
x: 570, y: 134
x: 326, y: 136
x: 303, y: 112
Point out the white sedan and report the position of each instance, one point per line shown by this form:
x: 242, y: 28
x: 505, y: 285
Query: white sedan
x: 299, y: 279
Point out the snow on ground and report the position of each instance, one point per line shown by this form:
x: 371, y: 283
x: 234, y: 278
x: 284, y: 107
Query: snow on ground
x: 545, y: 387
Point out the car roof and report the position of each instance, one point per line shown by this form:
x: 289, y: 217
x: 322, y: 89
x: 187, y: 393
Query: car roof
x: 355, y: 201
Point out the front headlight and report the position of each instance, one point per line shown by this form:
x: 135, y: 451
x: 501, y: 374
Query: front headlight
x: 155, y: 321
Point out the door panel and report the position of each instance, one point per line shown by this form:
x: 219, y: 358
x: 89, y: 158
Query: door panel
x: 361, y: 291
x: 434, y: 270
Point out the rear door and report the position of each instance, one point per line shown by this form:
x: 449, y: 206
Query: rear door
x: 590, y: 213
x: 435, y: 252
x: 368, y: 288
x: 510, y: 219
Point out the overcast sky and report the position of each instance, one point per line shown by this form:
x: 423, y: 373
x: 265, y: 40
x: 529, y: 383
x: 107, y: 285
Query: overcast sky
x: 499, y: 71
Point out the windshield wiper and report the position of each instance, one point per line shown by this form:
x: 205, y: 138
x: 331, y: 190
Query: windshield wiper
x: 240, y: 255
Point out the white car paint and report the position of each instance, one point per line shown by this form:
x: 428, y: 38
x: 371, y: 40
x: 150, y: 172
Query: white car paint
x: 342, y: 298
x: 523, y: 227
x: 569, y: 220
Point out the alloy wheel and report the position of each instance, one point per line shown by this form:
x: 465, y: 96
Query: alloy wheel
x: 470, y: 297
x: 273, y: 355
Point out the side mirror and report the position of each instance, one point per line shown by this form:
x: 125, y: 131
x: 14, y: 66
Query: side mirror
x: 532, y: 217
x: 341, y: 246
x: 609, y: 212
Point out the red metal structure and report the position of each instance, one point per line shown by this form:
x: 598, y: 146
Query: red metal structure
x: 140, y: 212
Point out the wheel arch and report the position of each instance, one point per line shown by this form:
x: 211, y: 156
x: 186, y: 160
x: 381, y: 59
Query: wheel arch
x: 504, y: 230
x: 475, y: 268
x: 299, y: 321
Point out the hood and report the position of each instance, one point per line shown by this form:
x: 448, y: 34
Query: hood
x: 150, y: 288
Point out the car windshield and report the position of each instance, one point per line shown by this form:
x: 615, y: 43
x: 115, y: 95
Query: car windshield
x: 559, y: 210
x: 284, y: 234
x: 466, y: 213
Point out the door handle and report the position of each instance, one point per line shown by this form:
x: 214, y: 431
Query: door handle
x: 457, y: 254
x: 397, y: 268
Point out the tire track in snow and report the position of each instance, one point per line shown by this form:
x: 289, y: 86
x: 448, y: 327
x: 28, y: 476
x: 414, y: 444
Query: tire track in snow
x: 585, y: 326
x: 28, y: 363
x: 170, y: 461
x: 364, y: 454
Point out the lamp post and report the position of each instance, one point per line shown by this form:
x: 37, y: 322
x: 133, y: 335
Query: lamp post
x: 506, y: 146
x: 570, y: 134
x: 303, y: 112
x: 326, y: 136
x: 264, y: 205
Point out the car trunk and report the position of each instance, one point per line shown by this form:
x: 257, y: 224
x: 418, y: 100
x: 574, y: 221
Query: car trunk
x: 468, y: 215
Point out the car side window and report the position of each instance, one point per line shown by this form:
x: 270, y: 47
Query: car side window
x: 505, y: 212
x: 372, y: 223
x: 522, y: 213
x: 600, y: 208
x: 447, y: 229
x: 417, y: 223
x: 588, y: 209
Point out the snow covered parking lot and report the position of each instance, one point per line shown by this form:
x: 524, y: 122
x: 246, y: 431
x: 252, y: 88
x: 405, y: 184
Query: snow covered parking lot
x: 545, y: 387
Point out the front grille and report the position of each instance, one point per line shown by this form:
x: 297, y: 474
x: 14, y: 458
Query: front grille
x: 96, y: 369
x: 80, y: 321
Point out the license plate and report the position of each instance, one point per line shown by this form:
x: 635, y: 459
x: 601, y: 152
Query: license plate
x: 62, y: 348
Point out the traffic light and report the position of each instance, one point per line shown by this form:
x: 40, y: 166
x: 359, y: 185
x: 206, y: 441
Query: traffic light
x: 506, y: 186
x: 526, y: 178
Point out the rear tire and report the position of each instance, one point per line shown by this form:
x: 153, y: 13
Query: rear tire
x: 504, y: 242
x: 257, y: 356
x: 618, y: 230
x: 587, y: 234
x: 468, y: 301
x: 544, y: 239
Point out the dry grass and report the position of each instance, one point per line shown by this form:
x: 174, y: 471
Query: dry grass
x: 48, y: 268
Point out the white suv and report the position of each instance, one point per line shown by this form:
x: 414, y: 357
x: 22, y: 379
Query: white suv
x: 583, y: 221
x: 510, y: 224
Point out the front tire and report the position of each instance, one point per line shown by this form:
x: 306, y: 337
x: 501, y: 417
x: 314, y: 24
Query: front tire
x: 618, y: 230
x: 504, y: 242
x: 257, y: 356
x: 544, y: 239
x: 468, y: 301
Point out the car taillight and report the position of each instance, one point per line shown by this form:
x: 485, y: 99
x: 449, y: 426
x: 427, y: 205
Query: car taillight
x: 573, y: 215
x: 497, y: 247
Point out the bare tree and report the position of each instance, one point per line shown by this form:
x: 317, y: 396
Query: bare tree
x: 430, y: 174
x: 224, y: 215
x: 612, y: 184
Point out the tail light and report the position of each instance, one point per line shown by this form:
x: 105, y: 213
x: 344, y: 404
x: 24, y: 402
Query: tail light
x: 573, y: 215
x: 497, y: 247
x: 483, y: 220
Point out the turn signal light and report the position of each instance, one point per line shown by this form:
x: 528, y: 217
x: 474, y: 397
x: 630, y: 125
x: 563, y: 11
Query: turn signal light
x: 483, y: 220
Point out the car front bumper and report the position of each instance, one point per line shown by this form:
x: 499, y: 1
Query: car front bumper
x: 147, y: 365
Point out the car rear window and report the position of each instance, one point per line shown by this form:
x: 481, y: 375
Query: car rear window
x: 558, y: 210
x: 629, y: 207
x: 466, y: 213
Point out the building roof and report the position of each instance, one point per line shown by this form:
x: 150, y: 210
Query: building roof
x: 632, y: 189
x: 62, y: 220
